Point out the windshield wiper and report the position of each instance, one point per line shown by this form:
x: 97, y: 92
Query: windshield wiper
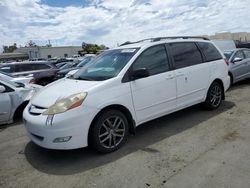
x: 84, y: 78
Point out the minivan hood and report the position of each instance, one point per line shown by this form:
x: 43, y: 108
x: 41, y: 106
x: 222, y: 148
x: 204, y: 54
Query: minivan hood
x: 61, y: 89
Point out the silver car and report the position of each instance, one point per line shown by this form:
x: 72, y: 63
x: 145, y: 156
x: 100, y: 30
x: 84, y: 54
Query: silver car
x: 239, y: 64
x: 13, y: 99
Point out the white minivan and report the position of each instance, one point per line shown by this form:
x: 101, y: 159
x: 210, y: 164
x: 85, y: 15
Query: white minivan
x: 124, y: 87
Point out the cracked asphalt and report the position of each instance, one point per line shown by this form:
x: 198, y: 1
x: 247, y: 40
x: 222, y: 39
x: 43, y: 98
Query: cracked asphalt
x: 190, y: 148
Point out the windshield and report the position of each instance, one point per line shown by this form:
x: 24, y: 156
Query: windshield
x: 228, y: 54
x: 67, y: 66
x: 107, y: 65
x: 85, y: 61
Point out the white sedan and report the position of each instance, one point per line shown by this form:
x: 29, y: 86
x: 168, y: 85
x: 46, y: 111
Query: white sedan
x: 13, y: 99
x: 22, y: 79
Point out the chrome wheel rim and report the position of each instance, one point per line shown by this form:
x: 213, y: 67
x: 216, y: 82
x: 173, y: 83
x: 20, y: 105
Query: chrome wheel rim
x: 215, y: 96
x: 112, y: 132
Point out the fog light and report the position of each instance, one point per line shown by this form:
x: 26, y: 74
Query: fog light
x: 62, y: 139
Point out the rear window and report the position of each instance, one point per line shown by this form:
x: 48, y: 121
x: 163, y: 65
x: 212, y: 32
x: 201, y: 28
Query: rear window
x: 209, y: 51
x: 185, y: 54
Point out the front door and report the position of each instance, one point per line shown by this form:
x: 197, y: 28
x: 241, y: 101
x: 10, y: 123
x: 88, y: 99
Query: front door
x: 239, y: 68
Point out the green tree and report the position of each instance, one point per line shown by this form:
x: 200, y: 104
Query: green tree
x: 93, y: 48
x: 9, y: 49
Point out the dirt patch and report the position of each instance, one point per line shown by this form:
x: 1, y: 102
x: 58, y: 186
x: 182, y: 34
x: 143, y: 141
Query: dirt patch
x: 232, y: 136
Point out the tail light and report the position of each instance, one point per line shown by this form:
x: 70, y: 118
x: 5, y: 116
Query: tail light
x: 32, y: 81
x: 226, y: 61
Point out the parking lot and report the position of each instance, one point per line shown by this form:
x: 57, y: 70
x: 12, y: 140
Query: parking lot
x: 190, y: 148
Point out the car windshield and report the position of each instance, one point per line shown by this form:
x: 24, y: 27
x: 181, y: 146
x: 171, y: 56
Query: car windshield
x: 66, y: 66
x: 105, y: 66
x: 228, y: 54
x: 85, y: 61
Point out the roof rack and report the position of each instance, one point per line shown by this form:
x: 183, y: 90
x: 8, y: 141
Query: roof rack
x: 165, y: 38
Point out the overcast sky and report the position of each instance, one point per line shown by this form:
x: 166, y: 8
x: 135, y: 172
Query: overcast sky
x: 70, y: 22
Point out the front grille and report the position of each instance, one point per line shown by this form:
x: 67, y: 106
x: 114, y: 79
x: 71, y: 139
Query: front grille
x: 36, y: 110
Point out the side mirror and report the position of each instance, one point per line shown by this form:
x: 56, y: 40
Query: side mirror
x: 2, y: 89
x: 237, y: 59
x: 139, y: 73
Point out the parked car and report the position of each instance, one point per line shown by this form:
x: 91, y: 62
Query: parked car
x: 239, y: 64
x: 13, y: 99
x: 59, y: 63
x: 22, y: 79
x: 62, y: 73
x: 43, y: 73
x: 123, y: 88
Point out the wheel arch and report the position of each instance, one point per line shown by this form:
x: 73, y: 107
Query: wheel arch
x: 120, y: 108
x: 222, y: 85
x: 19, y: 110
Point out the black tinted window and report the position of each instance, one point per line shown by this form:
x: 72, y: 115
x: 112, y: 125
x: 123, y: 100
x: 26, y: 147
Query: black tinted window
x: 185, y: 54
x: 23, y: 67
x: 153, y: 59
x: 209, y: 51
x: 41, y: 66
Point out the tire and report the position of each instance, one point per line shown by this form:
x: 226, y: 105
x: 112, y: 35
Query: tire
x: 109, y: 132
x: 214, y: 96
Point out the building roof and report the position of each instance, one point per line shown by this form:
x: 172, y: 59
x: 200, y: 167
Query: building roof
x: 4, y: 56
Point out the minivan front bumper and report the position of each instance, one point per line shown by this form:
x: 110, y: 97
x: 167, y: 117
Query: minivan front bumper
x: 68, y: 130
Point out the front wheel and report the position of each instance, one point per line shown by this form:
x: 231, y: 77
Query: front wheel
x: 109, y: 131
x: 214, y: 96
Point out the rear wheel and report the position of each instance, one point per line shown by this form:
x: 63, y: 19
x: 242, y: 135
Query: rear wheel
x: 109, y: 131
x: 214, y: 96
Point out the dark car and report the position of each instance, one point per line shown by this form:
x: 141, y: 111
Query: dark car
x: 59, y: 63
x: 43, y: 73
x: 67, y: 68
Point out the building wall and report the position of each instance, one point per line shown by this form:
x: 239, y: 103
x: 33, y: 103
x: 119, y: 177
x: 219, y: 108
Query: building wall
x: 46, y: 52
x: 240, y: 36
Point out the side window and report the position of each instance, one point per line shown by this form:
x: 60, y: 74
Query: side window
x: 247, y: 53
x: 209, y: 51
x: 154, y: 59
x: 239, y: 54
x: 41, y: 66
x: 23, y: 67
x: 185, y: 54
x: 7, y: 69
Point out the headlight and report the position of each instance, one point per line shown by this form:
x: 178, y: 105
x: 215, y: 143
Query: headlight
x: 65, y: 104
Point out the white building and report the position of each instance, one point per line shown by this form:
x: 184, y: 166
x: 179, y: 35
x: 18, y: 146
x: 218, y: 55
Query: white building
x: 49, y: 52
